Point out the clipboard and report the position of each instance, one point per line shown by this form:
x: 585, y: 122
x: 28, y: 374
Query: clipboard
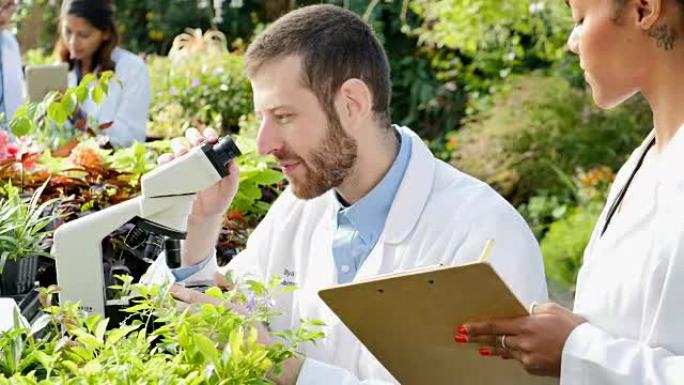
x: 407, y: 320
x: 44, y: 78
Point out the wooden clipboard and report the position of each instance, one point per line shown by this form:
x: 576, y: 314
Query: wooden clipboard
x: 407, y: 321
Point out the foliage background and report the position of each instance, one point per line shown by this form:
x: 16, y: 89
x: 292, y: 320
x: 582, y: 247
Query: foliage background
x: 489, y: 84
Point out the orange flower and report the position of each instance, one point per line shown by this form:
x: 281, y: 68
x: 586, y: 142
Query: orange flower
x: 86, y: 157
x: 235, y: 215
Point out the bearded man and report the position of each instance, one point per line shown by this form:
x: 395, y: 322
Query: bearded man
x: 365, y: 197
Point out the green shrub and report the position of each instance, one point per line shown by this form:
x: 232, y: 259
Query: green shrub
x: 482, y: 42
x: 564, y: 225
x: 564, y: 244
x: 539, y: 131
x: 191, y: 92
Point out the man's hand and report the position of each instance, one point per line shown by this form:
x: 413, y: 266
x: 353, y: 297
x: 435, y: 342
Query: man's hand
x: 291, y: 367
x: 216, y: 199
x: 206, y: 216
x: 536, y: 341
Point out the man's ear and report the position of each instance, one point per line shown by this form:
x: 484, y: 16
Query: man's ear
x: 648, y: 13
x: 354, y: 101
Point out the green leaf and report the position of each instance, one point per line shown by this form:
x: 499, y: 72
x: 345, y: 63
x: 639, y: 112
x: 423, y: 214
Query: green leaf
x: 69, y: 101
x: 116, y: 335
x: 81, y: 94
x: 214, y: 292
x: 268, y: 177
x: 97, y: 94
x: 101, y: 329
x: 87, y: 79
x: 20, y: 126
x: 206, y: 347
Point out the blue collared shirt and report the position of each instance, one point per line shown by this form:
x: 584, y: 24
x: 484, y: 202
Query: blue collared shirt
x: 359, y: 226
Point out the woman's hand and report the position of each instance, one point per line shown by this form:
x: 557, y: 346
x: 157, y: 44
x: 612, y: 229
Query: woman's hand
x: 536, y: 341
x: 215, y: 200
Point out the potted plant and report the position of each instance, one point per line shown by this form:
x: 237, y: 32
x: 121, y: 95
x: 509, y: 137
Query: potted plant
x: 24, y: 228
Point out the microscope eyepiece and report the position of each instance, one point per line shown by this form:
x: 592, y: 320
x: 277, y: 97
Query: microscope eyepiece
x: 221, y: 153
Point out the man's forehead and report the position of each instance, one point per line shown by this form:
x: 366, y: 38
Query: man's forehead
x: 286, y: 67
x: 278, y: 83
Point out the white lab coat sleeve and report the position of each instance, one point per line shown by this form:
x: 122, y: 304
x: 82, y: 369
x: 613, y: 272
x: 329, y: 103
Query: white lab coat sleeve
x: 131, y: 115
x: 251, y: 262
x: 319, y: 373
x: 515, y: 254
x: 592, y: 357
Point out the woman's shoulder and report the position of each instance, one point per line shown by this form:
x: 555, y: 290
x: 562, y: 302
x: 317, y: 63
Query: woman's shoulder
x: 9, y: 38
x: 127, y: 61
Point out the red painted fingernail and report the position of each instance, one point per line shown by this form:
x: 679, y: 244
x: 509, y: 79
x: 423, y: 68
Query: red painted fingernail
x: 485, y: 352
x: 461, y: 339
x: 463, y: 330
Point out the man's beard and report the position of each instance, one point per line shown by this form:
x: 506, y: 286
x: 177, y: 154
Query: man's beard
x: 329, y: 165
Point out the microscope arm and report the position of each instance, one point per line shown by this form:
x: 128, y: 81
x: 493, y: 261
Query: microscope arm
x: 80, y: 274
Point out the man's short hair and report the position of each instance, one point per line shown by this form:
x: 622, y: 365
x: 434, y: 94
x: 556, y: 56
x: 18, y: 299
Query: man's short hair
x: 335, y: 45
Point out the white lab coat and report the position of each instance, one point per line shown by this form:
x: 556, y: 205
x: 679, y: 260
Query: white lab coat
x: 127, y: 105
x: 12, y: 74
x: 439, y: 215
x: 631, y: 287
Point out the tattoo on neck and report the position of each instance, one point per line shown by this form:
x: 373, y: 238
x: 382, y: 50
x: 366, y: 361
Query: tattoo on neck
x: 665, y: 36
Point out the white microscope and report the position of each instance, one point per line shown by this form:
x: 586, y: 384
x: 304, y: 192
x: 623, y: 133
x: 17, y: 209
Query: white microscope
x: 167, y: 195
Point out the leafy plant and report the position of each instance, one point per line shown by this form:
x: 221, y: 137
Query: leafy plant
x: 257, y: 175
x: 213, y: 92
x: 47, y: 121
x: 564, y: 224
x: 482, y: 42
x: 159, y: 343
x: 24, y: 224
x: 564, y: 244
x: 541, y: 130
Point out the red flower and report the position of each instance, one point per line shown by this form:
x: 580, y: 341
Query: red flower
x: 12, y: 150
x: 235, y: 215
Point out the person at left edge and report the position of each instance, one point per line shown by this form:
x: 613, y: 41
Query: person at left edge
x: 88, y: 42
x: 12, y: 77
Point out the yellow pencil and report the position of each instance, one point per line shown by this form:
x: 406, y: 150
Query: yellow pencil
x: 486, y: 251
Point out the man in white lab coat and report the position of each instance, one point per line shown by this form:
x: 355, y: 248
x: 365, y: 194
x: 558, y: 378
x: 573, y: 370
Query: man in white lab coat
x: 365, y: 197
x: 11, y: 75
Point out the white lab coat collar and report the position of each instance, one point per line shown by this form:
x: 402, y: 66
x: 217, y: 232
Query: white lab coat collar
x: 403, y: 216
x: 674, y: 155
x: 413, y: 192
x: 411, y: 197
x: 13, y: 76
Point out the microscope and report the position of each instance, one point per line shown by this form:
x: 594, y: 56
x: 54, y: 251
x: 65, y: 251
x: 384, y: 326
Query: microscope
x: 163, y: 207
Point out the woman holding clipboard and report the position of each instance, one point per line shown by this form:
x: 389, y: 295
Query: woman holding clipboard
x: 89, y: 44
x: 627, y: 326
